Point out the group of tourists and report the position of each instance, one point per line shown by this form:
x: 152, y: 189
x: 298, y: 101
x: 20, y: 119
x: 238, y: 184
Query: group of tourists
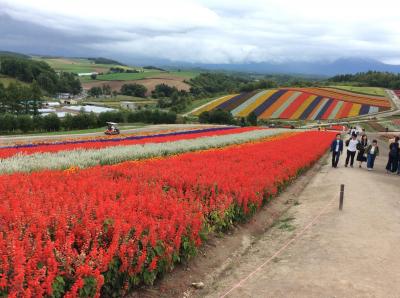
x: 359, y: 144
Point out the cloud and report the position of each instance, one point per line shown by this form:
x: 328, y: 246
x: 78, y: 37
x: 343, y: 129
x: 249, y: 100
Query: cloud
x: 210, y: 31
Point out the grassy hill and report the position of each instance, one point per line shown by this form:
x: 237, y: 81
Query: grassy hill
x: 5, y: 80
x: 78, y: 65
x: 376, y: 91
x: 13, y: 54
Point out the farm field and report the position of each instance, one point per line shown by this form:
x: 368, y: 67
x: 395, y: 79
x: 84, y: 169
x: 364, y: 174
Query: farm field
x: 299, y: 104
x: 376, y: 91
x: 149, y: 83
x: 142, y: 75
x: 77, y: 65
x: 144, y: 212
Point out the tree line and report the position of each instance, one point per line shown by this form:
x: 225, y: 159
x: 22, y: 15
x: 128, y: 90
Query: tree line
x: 20, y: 99
x: 370, y: 78
x: 10, y: 123
x: 28, y: 71
x: 134, y: 89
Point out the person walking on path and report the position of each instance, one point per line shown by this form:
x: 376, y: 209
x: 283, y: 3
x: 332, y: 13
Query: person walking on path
x: 361, y: 146
x: 394, y: 151
x: 351, y: 149
x: 337, y: 150
x: 372, y: 152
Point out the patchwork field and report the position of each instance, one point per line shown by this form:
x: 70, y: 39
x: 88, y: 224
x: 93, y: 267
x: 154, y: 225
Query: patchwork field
x: 299, y: 103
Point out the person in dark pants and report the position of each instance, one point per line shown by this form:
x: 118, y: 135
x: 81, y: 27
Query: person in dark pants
x: 394, y: 151
x: 336, y: 149
x: 372, y: 152
x: 351, y: 149
x: 361, y: 147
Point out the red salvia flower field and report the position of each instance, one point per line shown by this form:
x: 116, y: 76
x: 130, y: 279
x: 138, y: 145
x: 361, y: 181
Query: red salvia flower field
x: 104, y: 229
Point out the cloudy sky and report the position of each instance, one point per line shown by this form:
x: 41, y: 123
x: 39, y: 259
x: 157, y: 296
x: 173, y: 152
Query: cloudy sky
x: 204, y: 31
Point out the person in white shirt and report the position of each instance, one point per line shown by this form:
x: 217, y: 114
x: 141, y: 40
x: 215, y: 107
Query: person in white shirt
x: 351, y: 149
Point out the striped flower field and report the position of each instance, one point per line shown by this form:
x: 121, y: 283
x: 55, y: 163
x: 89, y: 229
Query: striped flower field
x: 299, y: 103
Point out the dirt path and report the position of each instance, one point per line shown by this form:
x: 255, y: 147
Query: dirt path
x: 353, y: 253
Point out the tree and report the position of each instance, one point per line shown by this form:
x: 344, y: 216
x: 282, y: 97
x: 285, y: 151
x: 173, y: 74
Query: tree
x: 252, y: 118
x: 8, y: 123
x: 133, y: 90
x: 93, y: 76
x: 51, y: 122
x: 95, y: 91
x: 106, y: 89
x: 204, y: 117
x: 36, y: 98
x: 163, y: 90
x: 25, y: 123
x: 217, y: 117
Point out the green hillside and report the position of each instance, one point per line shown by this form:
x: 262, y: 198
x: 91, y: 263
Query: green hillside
x: 5, y: 80
x: 79, y: 65
x: 377, y: 91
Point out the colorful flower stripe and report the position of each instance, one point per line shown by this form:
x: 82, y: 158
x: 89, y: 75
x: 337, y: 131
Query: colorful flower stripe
x: 234, y: 102
x: 109, y: 228
x: 37, y: 140
x: 275, y: 105
x: 351, y: 97
x: 265, y: 94
x: 241, y: 107
x: 269, y: 102
x: 214, y: 104
x: 6, y: 152
x: 303, y: 103
x: 292, y: 108
x: 84, y: 158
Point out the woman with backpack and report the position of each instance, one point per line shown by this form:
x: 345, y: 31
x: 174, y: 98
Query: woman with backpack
x: 394, y: 151
x: 361, y: 147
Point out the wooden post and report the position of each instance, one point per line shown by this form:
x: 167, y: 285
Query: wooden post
x: 341, y: 196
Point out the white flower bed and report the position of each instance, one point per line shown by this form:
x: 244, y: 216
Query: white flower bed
x: 112, y: 155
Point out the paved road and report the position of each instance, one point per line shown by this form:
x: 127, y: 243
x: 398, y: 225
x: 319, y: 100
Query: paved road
x: 353, y: 253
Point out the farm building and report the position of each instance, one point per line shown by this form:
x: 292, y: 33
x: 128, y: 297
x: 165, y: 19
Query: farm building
x: 51, y: 104
x: 69, y: 101
x: 83, y: 74
x: 59, y: 114
x: 88, y: 109
x: 128, y: 105
x: 64, y: 95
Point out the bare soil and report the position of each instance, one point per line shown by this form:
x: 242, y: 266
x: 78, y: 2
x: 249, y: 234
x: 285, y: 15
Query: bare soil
x: 149, y: 83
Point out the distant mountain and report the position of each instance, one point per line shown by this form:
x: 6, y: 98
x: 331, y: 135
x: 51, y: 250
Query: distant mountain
x: 340, y: 66
x: 313, y: 68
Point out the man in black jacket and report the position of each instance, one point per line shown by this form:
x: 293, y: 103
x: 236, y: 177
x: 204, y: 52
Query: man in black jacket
x: 336, y: 149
